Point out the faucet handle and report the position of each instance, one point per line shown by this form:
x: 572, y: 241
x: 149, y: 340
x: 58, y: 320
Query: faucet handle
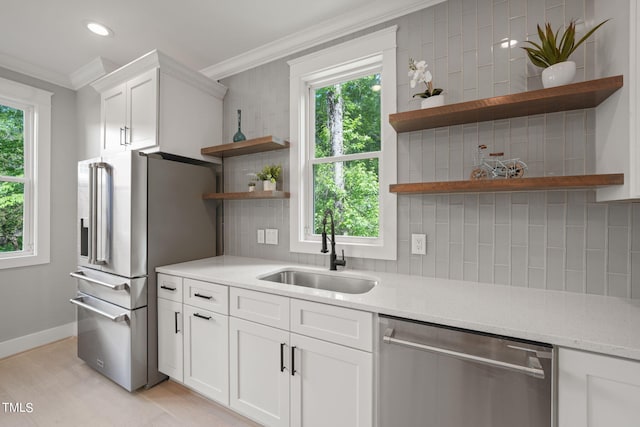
x: 342, y: 262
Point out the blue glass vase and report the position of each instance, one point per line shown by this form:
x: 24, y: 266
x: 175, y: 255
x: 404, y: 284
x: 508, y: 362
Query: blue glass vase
x: 239, y: 136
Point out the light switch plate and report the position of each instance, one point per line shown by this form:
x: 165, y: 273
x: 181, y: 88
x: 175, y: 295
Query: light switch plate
x: 419, y: 244
x: 272, y: 236
x: 261, y: 236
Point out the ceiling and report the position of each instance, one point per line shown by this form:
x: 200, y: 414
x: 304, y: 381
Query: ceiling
x: 47, y: 39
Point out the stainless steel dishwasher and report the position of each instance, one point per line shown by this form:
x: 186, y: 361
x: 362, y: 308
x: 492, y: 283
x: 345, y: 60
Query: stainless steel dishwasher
x: 436, y: 376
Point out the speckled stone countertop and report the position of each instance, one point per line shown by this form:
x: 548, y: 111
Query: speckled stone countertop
x: 587, y: 322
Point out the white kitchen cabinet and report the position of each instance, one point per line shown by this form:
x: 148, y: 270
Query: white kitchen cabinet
x: 617, y: 51
x: 331, y: 386
x: 206, y: 353
x: 277, y: 374
x: 597, y: 391
x: 130, y: 114
x: 170, y: 353
x: 155, y: 104
x: 260, y: 380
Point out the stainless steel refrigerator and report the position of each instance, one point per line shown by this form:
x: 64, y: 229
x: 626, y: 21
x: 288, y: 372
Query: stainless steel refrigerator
x: 135, y: 212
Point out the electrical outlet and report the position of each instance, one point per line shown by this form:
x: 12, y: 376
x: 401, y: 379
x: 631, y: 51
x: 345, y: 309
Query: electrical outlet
x: 419, y: 244
x: 261, y: 236
x: 272, y: 236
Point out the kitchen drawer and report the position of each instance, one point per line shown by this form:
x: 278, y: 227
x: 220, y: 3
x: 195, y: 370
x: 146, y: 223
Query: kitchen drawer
x: 353, y: 328
x: 268, y: 309
x: 209, y: 296
x: 170, y: 287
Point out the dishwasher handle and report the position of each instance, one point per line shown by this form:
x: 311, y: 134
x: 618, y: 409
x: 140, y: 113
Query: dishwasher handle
x: 535, y: 369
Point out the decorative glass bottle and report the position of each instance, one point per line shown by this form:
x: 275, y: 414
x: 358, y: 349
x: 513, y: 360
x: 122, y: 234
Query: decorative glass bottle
x: 239, y: 136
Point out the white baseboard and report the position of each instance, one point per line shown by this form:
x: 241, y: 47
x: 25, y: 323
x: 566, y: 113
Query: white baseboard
x: 27, y: 342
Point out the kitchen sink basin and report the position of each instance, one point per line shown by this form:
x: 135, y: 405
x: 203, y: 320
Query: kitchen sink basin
x: 328, y: 282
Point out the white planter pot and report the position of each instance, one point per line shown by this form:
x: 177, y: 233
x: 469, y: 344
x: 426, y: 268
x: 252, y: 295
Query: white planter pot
x: 432, y: 101
x: 559, y: 74
x: 268, y: 186
x: 252, y: 188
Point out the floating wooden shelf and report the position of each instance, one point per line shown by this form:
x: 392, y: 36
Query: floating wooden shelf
x: 247, y: 195
x: 562, y: 98
x: 514, y: 184
x: 250, y: 146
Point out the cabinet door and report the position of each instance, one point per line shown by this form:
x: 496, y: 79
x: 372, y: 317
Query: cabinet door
x: 332, y: 385
x: 206, y: 353
x: 142, y: 110
x: 170, y: 338
x: 114, y: 114
x: 597, y: 391
x: 259, y: 379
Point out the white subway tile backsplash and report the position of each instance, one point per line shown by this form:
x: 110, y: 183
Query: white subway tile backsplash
x: 543, y: 239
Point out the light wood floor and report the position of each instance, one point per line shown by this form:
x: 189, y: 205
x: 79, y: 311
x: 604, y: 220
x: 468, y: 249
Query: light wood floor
x: 64, y: 391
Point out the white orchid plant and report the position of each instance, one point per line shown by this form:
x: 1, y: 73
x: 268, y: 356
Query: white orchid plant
x: 419, y: 74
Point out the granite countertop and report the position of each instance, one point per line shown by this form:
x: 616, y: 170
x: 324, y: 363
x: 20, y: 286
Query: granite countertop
x: 600, y: 324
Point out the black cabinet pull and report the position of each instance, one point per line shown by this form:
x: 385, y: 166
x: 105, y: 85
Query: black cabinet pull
x: 293, y: 360
x: 282, y: 357
x: 201, y: 316
x: 167, y: 288
x: 202, y: 296
x: 176, y: 320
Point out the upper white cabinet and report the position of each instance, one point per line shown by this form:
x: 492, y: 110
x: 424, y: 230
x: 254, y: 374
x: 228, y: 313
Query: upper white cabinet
x: 156, y: 104
x: 617, y: 118
x: 597, y: 391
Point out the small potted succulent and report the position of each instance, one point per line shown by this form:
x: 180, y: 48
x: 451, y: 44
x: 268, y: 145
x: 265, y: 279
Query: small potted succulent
x: 418, y: 72
x: 553, y: 52
x: 269, y: 175
x: 253, y: 178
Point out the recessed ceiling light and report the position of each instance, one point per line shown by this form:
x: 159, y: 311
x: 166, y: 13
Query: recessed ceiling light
x: 99, y: 29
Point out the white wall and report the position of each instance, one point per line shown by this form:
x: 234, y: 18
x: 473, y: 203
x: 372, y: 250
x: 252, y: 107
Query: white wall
x: 35, y: 299
x: 552, y: 240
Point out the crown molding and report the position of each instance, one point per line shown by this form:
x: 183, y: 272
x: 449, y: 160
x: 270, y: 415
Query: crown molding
x: 360, y: 19
x: 28, y: 69
x: 95, y: 69
x: 157, y: 59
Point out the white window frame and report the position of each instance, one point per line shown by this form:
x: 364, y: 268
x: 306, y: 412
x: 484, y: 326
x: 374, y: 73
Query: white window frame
x: 36, y: 104
x: 370, y: 54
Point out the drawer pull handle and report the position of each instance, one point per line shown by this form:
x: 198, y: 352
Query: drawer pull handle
x: 169, y: 288
x: 201, y: 316
x: 202, y: 296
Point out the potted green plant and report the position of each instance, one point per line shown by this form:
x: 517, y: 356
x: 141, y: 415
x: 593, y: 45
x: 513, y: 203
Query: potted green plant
x: 252, y: 181
x: 269, y: 175
x: 553, y: 52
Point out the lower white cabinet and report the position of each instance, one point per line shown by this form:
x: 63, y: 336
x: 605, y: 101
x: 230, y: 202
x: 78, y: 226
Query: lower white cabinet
x: 331, y: 386
x: 259, y: 372
x: 206, y: 353
x: 597, y: 391
x: 281, y: 378
x: 170, y: 338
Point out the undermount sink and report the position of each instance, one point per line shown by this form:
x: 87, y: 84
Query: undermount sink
x: 328, y: 282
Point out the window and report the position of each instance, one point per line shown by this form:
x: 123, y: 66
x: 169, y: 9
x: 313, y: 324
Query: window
x: 25, y: 116
x: 345, y: 156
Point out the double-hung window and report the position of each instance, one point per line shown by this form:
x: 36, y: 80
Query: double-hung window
x: 344, y: 153
x: 25, y: 116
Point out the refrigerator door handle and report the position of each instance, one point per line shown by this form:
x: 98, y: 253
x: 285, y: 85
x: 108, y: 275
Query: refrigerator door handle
x: 99, y: 252
x: 80, y: 275
x: 116, y: 318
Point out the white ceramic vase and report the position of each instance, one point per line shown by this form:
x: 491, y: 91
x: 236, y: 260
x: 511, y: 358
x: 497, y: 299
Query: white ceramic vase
x: 432, y: 101
x: 268, y: 185
x: 558, y: 74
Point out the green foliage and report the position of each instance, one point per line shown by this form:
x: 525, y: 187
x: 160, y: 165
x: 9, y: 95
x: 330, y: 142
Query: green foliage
x: 355, y: 204
x: 270, y: 173
x: 11, y: 164
x: 552, y: 50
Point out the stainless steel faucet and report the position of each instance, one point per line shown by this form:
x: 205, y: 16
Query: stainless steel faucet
x: 333, y: 261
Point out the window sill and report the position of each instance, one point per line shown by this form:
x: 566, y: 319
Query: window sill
x: 351, y: 250
x: 23, y: 260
